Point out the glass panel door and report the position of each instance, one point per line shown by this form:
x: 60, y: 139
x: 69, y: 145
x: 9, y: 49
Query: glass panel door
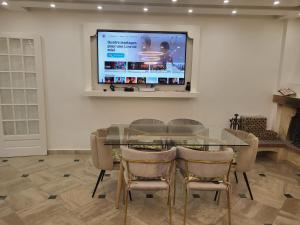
x: 21, y: 97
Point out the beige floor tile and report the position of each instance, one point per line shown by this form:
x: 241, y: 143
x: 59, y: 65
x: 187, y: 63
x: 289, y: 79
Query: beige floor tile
x: 292, y: 207
x: 61, y: 185
x: 76, y: 197
x: 26, y: 198
x: 11, y: 219
x: 41, y: 213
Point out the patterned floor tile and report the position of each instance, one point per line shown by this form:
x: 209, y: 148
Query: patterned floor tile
x: 27, y: 200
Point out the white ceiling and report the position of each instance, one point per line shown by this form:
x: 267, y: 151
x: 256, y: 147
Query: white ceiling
x: 286, y: 8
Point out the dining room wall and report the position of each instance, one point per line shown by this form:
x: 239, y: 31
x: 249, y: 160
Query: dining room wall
x: 239, y: 71
x: 290, y: 72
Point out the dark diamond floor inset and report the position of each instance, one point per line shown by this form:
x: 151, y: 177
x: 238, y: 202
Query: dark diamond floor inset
x: 298, y: 174
x: 52, y: 196
x: 242, y: 195
x: 262, y: 174
x: 25, y: 175
x: 76, y: 160
x: 196, y: 196
x: 102, y: 196
x: 3, y: 197
x: 41, y: 160
x: 67, y: 175
x: 4, y: 160
x: 149, y: 195
x: 267, y: 224
x: 288, y: 195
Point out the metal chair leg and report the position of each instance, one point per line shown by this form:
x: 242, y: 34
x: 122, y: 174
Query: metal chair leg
x: 130, y: 197
x: 185, y: 205
x: 229, y: 205
x: 100, y: 178
x: 174, y: 192
x: 216, y: 195
x: 170, y: 205
x: 219, y: 196
x: 126, y: 206
x: 248, y: 186
x: 236, y: 177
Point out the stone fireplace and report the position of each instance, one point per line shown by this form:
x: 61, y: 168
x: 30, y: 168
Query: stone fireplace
x: 293, y: 134
x: 288, y: 126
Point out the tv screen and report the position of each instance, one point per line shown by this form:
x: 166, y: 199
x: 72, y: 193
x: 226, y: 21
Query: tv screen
x: 141, y: 57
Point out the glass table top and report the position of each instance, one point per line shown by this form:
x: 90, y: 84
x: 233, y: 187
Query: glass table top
x: 170, y: 135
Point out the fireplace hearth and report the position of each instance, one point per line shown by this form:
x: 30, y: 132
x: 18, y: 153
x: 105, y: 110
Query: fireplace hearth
x: 294, y: 129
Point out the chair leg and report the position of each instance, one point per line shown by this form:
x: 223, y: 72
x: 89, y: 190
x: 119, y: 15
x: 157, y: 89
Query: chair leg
x: 170, y: 205
x: 174, y: 192
x: 248, y: 186
x: 229, y: 205
x: 130, y: 197
x: 219, y: 196
x: 126, y: 206
x: 100, y: 178
x: 216, y: 195
x: 185, y: 204
x: 103, y: 174
x: 236, y: 177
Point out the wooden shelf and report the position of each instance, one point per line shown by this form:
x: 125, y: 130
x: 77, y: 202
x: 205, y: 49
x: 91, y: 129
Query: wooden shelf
x: 293, y: 102
x: 140, y: 94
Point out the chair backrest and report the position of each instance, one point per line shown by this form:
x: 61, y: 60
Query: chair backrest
x: 184, y: 122
x: 149, y: 125
x: 101, y: 153
x: 147, y: 121
x: 147, y: 164
x: 181, y: 126
x: 205, y: 164
x: 246, y: 155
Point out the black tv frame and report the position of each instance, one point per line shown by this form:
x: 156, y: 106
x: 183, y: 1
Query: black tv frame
x: 141, y: 31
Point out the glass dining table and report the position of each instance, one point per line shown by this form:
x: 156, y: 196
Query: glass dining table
x: 159, y: 137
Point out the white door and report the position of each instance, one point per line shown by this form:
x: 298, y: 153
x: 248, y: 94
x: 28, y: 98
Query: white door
x: 22, y: 113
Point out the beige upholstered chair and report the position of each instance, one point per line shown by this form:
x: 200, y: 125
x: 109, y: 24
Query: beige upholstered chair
x: 180, y: 126
x: 147, y: 121
x: 104, y: 156
x: 184, y: 122
x: 148, y: 125
x: 205, y: 171
x: 148, y: 171
x: 245, y: 156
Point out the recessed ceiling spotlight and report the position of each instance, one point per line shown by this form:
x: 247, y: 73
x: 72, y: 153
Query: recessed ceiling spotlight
x: 4, y: 3
x: 99, y: 7
x: 190, y: 11
x: 146, y: 9
x: 226, y: 1
x: 174, y: 0
x: 276, y: 2
x: 234, y: 12
x: 52, y: 5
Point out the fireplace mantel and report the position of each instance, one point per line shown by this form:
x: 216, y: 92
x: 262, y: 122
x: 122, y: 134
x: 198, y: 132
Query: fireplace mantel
x: 292, y: 102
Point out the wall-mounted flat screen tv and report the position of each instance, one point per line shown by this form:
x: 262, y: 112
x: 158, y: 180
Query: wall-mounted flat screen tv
x: 141, y: 57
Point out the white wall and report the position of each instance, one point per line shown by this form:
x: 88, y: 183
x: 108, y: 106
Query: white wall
x: 290, y: 73
x: 239, y: 70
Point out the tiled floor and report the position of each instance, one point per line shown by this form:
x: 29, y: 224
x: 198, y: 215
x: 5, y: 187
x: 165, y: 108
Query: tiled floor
x: 56, y: 190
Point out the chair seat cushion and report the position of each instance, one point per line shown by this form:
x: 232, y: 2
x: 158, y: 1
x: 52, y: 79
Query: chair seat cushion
x: 149, y: 185
x: 208, y: 186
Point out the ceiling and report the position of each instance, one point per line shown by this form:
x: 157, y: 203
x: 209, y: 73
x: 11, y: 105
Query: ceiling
x: 285, y: 9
